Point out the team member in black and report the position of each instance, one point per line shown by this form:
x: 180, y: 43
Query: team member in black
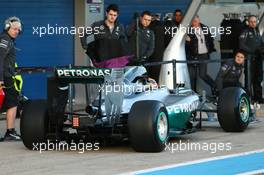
x: 110, y: 40
x: 146, y: 38
x: 173, y: 26
x: 7, y: 72
x: 230, y: 72
x: 251, y: 42
x: 199, y: 44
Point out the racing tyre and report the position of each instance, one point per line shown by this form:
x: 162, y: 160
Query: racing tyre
x: 233, y: 109
x: 148, y: 126
x: 34, y: 124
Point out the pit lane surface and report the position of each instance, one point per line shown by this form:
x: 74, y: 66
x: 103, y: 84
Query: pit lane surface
x: 116, y: 159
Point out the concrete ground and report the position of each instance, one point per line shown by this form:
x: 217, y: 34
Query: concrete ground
x: 16, y: 159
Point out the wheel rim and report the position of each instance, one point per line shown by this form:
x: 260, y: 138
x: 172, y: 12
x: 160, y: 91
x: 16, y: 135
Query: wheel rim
x: 162, y: 126
x: 244, y: 109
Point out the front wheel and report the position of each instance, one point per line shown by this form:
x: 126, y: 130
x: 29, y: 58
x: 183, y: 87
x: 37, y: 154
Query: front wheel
x: 233, y: 109
x: 148, y: 126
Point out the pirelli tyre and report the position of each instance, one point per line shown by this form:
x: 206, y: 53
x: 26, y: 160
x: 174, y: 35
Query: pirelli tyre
x: 233, y: 109
x: 34, y: 123
x: 148, y: 126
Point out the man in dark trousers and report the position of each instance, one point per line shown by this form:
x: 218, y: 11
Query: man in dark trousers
x: 146, y: 38
x: 251, y: 42
x: 199, y: 44
x: 109, y: 48
x: 12, y: 29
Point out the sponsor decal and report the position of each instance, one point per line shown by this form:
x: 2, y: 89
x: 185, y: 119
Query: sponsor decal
x: 182, y: 108
x: 82, y: 72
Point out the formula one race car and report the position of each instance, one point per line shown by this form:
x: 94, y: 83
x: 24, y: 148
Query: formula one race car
x: 129, y: 106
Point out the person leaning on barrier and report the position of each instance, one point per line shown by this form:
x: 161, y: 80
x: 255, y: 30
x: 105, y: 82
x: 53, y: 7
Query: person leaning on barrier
x: 146, y: 38
x: 109, y: 48
x: 12, y: 29
x: 230, y: 72
x: 251, y: 42
x: 199, y: 44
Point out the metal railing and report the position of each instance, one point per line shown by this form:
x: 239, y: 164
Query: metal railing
x: 175, y: 62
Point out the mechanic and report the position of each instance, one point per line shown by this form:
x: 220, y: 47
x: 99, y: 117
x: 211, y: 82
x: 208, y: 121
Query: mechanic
x: 251, y: 42
x: 146, y: 38
x: 12, y: 29
x: 230, y: 72
x: 109, y: 48
x: 173, y: 26
x: 199, y: 44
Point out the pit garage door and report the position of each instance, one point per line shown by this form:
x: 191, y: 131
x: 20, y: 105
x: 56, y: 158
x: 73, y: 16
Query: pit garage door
x: 48, y: 50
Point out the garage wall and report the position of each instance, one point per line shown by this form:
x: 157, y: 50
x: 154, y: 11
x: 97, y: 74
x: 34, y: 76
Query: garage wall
x: 49, y: 50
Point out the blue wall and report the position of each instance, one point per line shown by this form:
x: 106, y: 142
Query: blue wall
x: 52, y: 50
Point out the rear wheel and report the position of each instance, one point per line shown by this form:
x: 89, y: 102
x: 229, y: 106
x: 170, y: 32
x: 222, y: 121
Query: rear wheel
x: 233, y: 109
x: 34, y: 123
x: 148, y: 126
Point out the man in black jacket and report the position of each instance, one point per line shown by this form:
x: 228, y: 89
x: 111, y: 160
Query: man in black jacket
x: 7, y: 71
x: 251, y: 42
x: 199, y: 44
x: 109, y: 39
x: 230, y: 72
x: 146, y: 38
x: 172, y: 26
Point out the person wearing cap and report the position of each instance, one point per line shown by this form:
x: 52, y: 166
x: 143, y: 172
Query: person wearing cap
x: 12, y: 28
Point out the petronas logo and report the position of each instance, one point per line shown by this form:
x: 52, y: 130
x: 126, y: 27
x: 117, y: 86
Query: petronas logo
x: 82, y: 72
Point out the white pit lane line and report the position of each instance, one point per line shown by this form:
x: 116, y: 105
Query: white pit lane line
x: 257, y: 172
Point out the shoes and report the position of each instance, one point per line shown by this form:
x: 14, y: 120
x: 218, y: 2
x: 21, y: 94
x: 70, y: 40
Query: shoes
x: 11, y: 135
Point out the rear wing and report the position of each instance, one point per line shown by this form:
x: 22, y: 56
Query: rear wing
x: 71, y: 74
